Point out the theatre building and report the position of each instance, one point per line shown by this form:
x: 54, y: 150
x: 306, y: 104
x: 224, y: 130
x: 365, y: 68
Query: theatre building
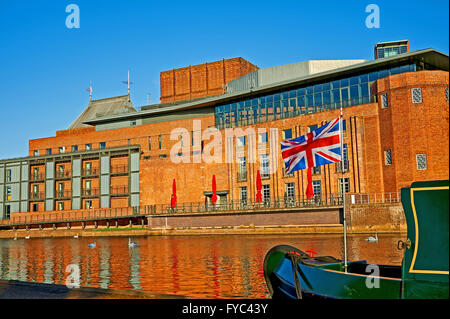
x: 232, y: 117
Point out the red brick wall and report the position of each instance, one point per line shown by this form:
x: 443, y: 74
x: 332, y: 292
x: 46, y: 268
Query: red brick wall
x: 201, y: 80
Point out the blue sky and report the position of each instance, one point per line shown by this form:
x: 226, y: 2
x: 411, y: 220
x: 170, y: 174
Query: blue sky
x: 46, y: 67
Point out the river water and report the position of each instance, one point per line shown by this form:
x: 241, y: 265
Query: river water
x: 195, y: 266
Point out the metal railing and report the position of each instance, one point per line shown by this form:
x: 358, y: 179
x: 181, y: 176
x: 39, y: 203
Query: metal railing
x: 63, y: 194
x: 37, y: 195
x: 119, y: 190
x: 339, y: 166
x: 392, y: 197
x: 119, y: 169
x: 37, y: 176
x: 330, y: 200
x: 63, y: 174
x: 86, y: 192
x: 242, y: 175
x: 91, y: 171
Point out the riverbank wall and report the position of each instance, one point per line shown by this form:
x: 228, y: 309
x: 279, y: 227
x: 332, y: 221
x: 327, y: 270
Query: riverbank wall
x: 360, y: 219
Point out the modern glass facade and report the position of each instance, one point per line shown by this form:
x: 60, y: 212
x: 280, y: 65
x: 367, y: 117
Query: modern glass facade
x: 348, y: 91
x: 387, y: 52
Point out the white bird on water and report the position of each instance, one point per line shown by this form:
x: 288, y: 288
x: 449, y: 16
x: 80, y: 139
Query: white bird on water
x: 15, y: 237
x: 76, y: 236
x: 131, y: 243
x: 93, y: 245
x: 372, y: 239
x: 27, y: 237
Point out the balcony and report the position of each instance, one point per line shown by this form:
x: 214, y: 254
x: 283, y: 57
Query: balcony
x: 119, y: 190
x: 119, y: 169
x: 90, y: 192
x: 63, y: 194
x: 91, y: 172
x: 35, y: 177
x: 35, y: 196
x: 63, y: 174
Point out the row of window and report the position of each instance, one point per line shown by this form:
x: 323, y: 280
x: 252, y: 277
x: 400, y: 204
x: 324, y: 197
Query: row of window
x: 416, y: 96
x: 328, y: 95
x: 290, y: 189
x: 421, y: 160
x: 62, y: 149
x: 60, y: 206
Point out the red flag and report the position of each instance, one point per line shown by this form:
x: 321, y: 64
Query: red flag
x: 258, y: 187
x: 214, y: 190
x: 309, y: 189
x: 173, y: 200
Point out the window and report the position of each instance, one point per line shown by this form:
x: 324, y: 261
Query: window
x: 62, y: 150
x: 162, y: 156
x: 159, y: 142
x: 241, y: 141
x: 61, y: 171
x: 266, y: 193
x: 315, y: 170
x: 88, y: 168
x: 8, y: 192
x: 35, y: 173
x: 87, y: 188
x: 49, y: 151
x: 312, y: 128
x: 243, y: 195
x: 317, y: 188
x: 149, y: 143
x: 7, y: 211
x: 421, y: 160
x: 263, y: 138
x: 384, y: 101
x: 344, y: 183
x: 35, y: 208
x: 264, y: 159
x: 345, y: 164
x: 387, y: 158
x: 88, y: 147
x: 290, y: 190
x: 102, y: 145
x: 60, y: 189
x: 60, y: 205
x: 74, y: 148
x: 446, y: 94
x: 36, y: 153
x: 242, y: 173
x: 416, y: 95
x: 88, y: 204
x: 133, y: 123
x: 8, y: 175
x: 35, y: 191
x: 287, y: 134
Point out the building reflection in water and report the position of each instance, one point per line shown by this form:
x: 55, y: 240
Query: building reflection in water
x: 195, y: 266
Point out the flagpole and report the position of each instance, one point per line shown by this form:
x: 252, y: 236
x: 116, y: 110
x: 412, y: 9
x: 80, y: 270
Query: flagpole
x: 341, y: 124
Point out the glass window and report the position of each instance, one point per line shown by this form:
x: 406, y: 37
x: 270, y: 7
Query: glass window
x: 49, y: 151
x: 318, y: 99
x: 344, y: 94
x: 363, y: 78
x: 421, y: 160
x: 36, y: 153
x: 354, y: 92
x: 243, y: 194
x: 263, y: 138
x: 62, y: 149
x: 264, y: 159
x: 277, y: 97
x: 317, y: 88
x: 102, y: 144
x: 241, y: 141
x: 383, y: 74
x: 326, y: 86
x: 290, y: 190
x: 269, y: 98
x: 336, y: 84
x: 344, y: 184
x: 373, y: 76
x: 354, y: 80
x: 344, y: 82
x: 364, y: 89
x: 326, y: 96
x: 309, y: 101
x: 301, y: 101
x: 74, y: 148
x: 300, y: 92
x: 292, y: 93
x: 88, y: 147
x: 317, y: 188
x: 284, y: 95
x: 387, y: 158
x: 287, y: 134
x: 309, y: 90
x: 336, y: 96
x: 266, y: 192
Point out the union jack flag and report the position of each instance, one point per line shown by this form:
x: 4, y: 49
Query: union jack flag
x: 319, y: 147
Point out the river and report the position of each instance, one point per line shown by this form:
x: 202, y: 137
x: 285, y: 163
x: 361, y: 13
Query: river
x: 219, y: 266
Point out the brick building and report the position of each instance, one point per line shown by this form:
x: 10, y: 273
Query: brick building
x: 396, y: 115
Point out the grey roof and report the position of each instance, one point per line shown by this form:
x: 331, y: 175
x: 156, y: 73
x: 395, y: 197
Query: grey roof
x: 104, y: 107
x: 429, y: 56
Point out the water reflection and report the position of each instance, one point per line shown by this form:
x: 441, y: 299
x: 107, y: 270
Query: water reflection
x: 197, y: 266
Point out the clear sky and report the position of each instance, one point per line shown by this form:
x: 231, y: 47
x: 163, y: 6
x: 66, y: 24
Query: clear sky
x: 46, y: 67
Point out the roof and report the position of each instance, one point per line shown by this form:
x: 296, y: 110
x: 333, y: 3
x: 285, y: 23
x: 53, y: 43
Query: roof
x: 104, y: 107
x: 429, y: 56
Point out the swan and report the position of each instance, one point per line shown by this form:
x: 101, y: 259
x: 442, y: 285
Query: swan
x: 76, y: 236
x: 93, y: 245
x: 15, y: 237
x: 27, y: 237
x: 371, y: 238
x: 131, y: 243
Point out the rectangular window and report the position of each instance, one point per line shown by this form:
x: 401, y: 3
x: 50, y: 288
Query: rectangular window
x: 263, y: 138
x: 61, y: 171
x: 446, y: 94
x: 102, y: 145
x: 243, y: 194
x: 74, y: 148
x: 241, y: 141
x: 312, y: 128
x: 35, y: 207
x: 384, y: 101
x: 387, y: 158
x: 60, y: 189
x: 62, y: 149
x: 8, y: 175
x: 36, y: 153
x: 8, y: 192
x: 35, y: 191
x: 88, y: 147
x: 60, y: 205
x: 7, y: 211
x: 266, y: 193
x: 49, y: 151
x: 88, y: 168
x: 290, y: 190
x: 264, y: 159
x: 242, y: 173
x: 287, y: 134
x: 416, y: 95
x: 345, y: 183
x: 132, y: 123
x: 317, y: 188
x: 421, y: 160
x: 35, y: 173
x: 159, y: 142
x: 88, y: 204
x: 315, y: 170
x: 149, y: 143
